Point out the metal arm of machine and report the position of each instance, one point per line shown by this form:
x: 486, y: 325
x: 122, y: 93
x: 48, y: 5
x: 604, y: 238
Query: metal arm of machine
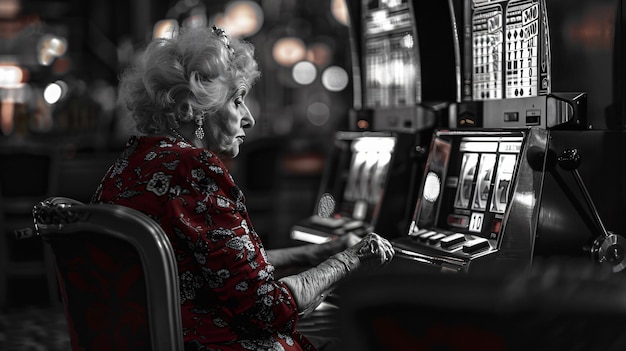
x: 608, y: 248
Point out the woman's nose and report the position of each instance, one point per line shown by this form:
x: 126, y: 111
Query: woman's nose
x: 248, y: 120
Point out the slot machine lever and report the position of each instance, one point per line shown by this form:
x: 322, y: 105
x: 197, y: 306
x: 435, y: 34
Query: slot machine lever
x: 570, y: 160
x: 607, y: 248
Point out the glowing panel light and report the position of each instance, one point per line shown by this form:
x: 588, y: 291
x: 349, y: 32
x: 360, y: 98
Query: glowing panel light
x: 374, y: 144
x: 340, y: 11
x: 380, y: 20
x: 11, y: 76
x: 241, y: 18
x: 362, y: 124
x: 288, y: 51
x: 304, y: 72
x: 55, y: 92
x: 335, y: 78
x: 165, y: 29
x: 407, y: 41
x: 49, y: 48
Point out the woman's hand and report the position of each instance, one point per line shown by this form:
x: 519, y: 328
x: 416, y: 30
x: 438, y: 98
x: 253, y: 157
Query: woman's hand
x: 373, y: 250
x: 311, y: 286
x: 312, y: 254
x: 348, y: 240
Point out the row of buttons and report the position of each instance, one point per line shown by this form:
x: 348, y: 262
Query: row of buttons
x: 449, y: 241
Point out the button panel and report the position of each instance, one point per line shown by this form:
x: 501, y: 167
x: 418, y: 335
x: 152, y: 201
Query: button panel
x: 432, y: 240
x: 475, y: 245
x: 451, y: 242
x: 424, y: 236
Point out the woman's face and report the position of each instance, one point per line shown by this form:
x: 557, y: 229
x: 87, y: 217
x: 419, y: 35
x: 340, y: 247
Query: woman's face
x: 225, y: 131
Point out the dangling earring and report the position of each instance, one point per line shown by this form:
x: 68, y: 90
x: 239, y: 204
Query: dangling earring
x: 199, y: 131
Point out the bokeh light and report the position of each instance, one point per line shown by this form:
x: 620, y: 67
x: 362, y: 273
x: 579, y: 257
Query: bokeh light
x: 287, y: 51
x: 54, y: 92
x: 335, y: 78
x: 319, y: 54
x: 197, y: 18
x: 9, y: 8
x: 304, y: 72
x: 11, y: 76
x: 318, y: 113
x: 166, y: 29
x: 339, y: 9
x: 49, y: 48
x: 241, y: 18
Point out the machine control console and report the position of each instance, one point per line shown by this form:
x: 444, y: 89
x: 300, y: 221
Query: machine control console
x: 451, y: 242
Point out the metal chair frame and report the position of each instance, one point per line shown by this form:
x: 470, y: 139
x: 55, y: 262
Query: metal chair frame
x: 60, y: 218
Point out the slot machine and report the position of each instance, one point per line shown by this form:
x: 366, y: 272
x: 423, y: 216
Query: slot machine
x: 501, y: 188
x: 478, y: 204
x: 369, y: 177
x: 362, y: 169
x: 405, y: 66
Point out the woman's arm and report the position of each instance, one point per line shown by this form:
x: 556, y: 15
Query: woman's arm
x: 311, y: 254
x: 311, y: 286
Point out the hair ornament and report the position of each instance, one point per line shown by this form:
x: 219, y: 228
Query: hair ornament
x: 221, y: 34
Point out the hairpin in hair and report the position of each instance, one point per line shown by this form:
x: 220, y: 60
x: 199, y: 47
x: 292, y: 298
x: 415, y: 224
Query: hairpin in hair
x: 221, y: 34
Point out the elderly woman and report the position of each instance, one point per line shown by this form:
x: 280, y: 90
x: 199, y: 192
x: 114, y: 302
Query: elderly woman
x: 187, y: 97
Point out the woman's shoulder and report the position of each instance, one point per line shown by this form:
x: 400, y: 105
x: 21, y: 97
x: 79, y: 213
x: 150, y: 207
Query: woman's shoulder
x: 191, y: 156
x: 176, y: 154
x: 172, y: 145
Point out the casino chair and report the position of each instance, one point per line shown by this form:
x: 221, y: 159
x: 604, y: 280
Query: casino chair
x: 117, y: 273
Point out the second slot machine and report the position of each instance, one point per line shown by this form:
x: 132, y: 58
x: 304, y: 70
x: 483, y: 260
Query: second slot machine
x: 369, y: 179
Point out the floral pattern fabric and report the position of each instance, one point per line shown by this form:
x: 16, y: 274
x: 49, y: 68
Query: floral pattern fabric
x: 229, y: 297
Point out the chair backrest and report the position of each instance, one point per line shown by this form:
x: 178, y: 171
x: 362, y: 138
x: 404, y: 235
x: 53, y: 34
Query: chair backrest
x: 117, y: 273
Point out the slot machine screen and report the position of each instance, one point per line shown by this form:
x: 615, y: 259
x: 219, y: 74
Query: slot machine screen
x: 468, y: 185
x: 367, y: 173
x: 391, y: 58
x: 510, y: 55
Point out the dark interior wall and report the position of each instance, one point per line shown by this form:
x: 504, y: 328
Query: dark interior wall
x: 582, y: 37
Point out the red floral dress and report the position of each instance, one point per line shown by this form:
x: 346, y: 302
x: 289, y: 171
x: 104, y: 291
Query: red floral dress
x: 229, y: 297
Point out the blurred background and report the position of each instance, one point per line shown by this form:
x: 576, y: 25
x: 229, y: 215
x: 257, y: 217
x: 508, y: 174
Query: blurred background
x: 59, y: 67
x: 60, y: 61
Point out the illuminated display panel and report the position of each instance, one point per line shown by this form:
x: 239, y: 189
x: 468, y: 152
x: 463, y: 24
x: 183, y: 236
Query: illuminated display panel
x: 487, y: 165
x: 391, y: 58
x: 522, y: 49
x: 488, y: 43
x: 467, y: 185
x: 484, y: 178
x: 367, y: 174
x: 466, y: 179
x: 510, y: 52
x: 380, y: 4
